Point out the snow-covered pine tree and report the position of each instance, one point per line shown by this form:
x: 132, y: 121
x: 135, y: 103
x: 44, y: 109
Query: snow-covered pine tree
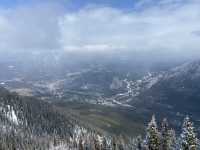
x: 114, y: 143
x: 175, y: 145
x: 104, y: 144
x: 153, y: 135
x: 81, y: 147
x: 121, y: 143
x: 139, y: 143
x: 97, y: 144
x: 188, y: 136
x: 166, y: 137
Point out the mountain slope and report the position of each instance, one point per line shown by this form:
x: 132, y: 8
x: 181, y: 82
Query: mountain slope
x: 173, y: 93
x: 32, y: 113
x: 30, y: 123
x: 27, y: 123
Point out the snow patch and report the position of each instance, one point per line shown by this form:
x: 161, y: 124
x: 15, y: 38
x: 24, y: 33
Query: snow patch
x: 11, y: 115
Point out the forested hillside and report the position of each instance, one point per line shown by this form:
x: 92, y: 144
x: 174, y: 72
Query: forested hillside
x: 31, y: 124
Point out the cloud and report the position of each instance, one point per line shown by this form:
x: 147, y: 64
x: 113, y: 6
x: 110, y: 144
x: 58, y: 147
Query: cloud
x: 168, y: 26
x: 155, y: 28
x: 29, y: 28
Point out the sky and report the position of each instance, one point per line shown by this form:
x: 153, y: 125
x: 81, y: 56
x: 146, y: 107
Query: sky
x: 168, y: 26
x: 76, y: 4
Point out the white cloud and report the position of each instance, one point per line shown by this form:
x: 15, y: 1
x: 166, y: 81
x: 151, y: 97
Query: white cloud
x: 29, y: 28
x: 170, y: 26
x: 156, y: 28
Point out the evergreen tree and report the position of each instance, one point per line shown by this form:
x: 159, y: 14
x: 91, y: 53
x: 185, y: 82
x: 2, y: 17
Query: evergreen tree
x: 174, y: 145
x: 97, y: 144
x: 166, y: 140
x: 188, y: 136
x: 114, y: 143
x: 153, y: 135
x: 81, y: 144
x: 139, y: 143
x: 104, y: 144
x: 121, y: 143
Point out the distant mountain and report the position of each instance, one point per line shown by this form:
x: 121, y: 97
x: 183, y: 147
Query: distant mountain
x: 171, y: 93
x: 167, y: 92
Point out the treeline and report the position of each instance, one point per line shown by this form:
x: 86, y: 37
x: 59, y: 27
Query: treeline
x: 31, y: 124
x: 166, y: 139
x: 156, y: 138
